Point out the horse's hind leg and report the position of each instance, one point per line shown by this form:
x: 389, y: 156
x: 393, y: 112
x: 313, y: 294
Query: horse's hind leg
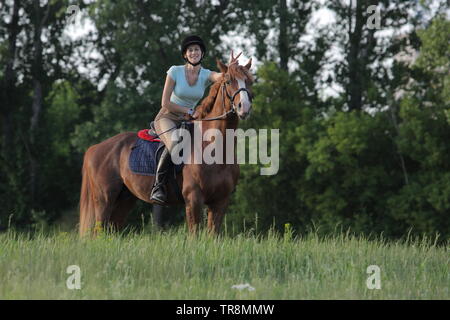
x: 104, y: 207
x: 103, y: 212
x: 216, y: 212
x: 124, y: 204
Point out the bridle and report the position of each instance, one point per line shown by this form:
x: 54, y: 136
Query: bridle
x: 225, y: 113
x: 231, y: 98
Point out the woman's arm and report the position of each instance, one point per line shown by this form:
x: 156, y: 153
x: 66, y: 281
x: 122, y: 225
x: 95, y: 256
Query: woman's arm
x: 167, y: 92
x: 215, y: 76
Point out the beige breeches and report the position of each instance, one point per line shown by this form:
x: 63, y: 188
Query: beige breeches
x: 163, y: 125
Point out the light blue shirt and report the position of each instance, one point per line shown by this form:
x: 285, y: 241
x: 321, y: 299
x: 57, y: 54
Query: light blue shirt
x: 183, y: 94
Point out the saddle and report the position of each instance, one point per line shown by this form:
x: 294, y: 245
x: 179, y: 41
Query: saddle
x: 149, y: 134
x: 145, y: 154
x: 152, y: 130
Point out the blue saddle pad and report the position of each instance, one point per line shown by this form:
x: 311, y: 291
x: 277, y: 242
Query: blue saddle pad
x: 144, y: 157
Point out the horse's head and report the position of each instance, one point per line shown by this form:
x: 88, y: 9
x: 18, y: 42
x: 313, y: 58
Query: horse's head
x: 237, y: 82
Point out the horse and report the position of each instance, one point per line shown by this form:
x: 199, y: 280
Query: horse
x: 109, y: 189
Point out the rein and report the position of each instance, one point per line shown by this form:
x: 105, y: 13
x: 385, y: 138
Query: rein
x: 225, y: 113
x: 231, y: 98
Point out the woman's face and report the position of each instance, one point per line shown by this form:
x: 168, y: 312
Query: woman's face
x: 193, y: 53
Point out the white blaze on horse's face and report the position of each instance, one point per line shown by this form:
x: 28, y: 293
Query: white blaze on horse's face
x: 244, y: 106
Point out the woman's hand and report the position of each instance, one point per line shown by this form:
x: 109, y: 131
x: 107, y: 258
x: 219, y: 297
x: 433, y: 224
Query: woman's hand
x: 189, y: 116
x: 215, y: 76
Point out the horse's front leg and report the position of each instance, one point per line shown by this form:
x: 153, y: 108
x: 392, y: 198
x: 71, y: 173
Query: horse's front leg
x: 194, y: 201
x: 216, y: 212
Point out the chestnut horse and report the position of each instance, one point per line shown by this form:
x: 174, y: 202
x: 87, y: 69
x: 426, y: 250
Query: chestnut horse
x: 109, y: 189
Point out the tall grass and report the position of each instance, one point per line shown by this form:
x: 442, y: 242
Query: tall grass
x: 173, y: 265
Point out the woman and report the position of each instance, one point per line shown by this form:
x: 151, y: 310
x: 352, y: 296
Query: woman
x: 184, y: 87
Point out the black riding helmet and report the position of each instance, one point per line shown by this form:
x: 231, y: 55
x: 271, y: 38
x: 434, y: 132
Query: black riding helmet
x: 189, y: 40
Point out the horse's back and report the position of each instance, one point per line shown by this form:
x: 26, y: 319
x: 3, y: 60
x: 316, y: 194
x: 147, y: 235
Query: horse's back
x: 115, y: 141
x: 108, y: 153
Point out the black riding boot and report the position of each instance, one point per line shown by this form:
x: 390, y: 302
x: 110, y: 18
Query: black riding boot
x: 159, y: 192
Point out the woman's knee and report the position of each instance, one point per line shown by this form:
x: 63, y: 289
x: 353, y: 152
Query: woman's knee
x: 165, y: 131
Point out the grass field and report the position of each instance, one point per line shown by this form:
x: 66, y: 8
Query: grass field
x: 171, y: 265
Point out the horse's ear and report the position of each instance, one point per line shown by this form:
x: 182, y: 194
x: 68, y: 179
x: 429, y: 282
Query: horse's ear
x: 222, y: 67
x: 249, y: 64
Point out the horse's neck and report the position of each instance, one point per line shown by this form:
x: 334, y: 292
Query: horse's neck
x: 228, y: 122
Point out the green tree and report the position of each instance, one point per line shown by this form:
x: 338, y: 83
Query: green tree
x: 362, y: 72
x: 33, y: 53
x: 423, y: 203
x: 138, y: 42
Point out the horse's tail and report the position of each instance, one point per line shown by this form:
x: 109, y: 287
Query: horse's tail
x: 87, y: 208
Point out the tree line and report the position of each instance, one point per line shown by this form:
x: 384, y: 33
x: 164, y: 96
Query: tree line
x: 373, y: 156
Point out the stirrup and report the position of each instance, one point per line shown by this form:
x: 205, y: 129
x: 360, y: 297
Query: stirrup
x: 157, y: 188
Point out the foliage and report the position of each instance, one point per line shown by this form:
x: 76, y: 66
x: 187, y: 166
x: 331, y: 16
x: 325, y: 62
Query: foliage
x: 373, y: 157
x: 344, y: 169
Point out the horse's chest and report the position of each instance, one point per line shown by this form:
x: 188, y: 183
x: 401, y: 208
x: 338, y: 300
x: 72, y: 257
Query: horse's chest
x: 219, y: 180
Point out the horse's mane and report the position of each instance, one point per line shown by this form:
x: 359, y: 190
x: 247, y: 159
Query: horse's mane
x: 235, y: 71
x: 206, y: 105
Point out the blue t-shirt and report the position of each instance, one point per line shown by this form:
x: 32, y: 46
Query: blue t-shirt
x: 183, y: 94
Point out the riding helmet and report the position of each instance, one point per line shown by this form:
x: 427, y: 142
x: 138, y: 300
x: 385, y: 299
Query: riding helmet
x: 189, y: 40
